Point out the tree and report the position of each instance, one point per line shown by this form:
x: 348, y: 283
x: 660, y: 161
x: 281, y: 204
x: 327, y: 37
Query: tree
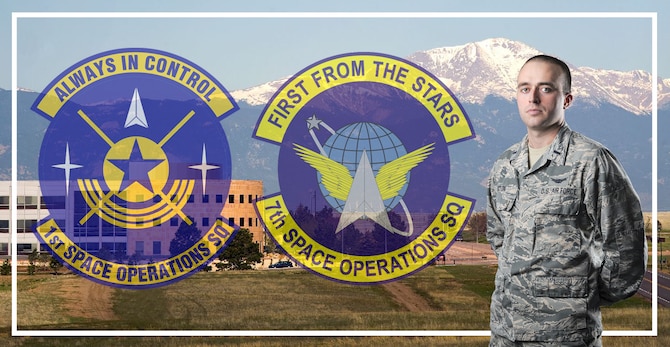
x: 477, y: 224
x: 647, y: 225
x: 33, y: 257
x: 44, y: 261
x: 386, y: 240
x: 105, y: 254
x: 241, y: 252
x: 54, y: 264
x: 270, y: 245
x: 350, y: 240
x: 6, y: 268
x: 326, y: 225
x: 304, y: 217
x: 185, y: 237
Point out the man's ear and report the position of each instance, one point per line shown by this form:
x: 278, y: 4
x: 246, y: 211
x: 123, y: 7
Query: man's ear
x: 567, y: 101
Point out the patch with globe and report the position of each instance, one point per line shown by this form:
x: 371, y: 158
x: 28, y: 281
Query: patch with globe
x: 364, y: 168
x: 133, y: 168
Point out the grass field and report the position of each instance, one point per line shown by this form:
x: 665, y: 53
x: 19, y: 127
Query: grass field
x: 457, y: 298
x: 663, y: 218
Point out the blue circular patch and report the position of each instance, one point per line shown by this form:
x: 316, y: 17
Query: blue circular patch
x: 134, y: 167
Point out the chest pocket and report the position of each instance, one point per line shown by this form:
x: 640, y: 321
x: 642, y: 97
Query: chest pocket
x: 557, y: 231
x: 506, y: 198
x: 567, y: 204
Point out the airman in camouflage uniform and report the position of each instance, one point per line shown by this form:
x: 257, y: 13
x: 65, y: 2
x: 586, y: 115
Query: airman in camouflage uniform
x: 567, y: 230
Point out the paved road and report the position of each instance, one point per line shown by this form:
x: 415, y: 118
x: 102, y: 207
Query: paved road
x: 663, y: 288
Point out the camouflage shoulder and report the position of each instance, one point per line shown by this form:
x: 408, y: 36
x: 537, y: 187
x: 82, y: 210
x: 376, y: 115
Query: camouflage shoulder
x: 587, y: 149
x: 510, y: 151
x: 586, y: 143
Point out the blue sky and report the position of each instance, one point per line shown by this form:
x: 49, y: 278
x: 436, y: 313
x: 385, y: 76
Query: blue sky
x: 243, y: 52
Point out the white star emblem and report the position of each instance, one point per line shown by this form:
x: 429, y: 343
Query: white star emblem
x: 67, y: 166
x: 204, y: 167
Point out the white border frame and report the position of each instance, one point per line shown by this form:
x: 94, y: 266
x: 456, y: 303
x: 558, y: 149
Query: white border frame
x: 320, y: 333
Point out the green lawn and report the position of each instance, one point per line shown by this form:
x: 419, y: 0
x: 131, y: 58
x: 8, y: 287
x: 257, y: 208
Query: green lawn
x: 459, y: 297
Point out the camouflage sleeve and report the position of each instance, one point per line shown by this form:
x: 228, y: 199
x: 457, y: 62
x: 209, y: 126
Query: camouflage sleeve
x: 495, y: 231
x: 615, y: 210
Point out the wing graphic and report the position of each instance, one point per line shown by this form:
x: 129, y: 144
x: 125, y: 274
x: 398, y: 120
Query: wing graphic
x: 335, y: 177
x: 393, y: 175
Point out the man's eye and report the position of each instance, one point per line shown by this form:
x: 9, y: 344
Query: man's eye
x: 523, y: 90
x: 547, y: 89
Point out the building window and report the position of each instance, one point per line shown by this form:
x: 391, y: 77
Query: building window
x: 139, y: 247
x: 190, y: 199
x: 250, y: 224
x: 174, y: 222
x: 231, y: 221
x: 50, y: 202
x: 231, y: 199
x: 219, y: 198
x: 26, y: 202
x: 4, y: 249
x: 157, y: 247
x: 4, y: 226
x: 4, y: 202
x: 90, y: 228
x: 116, y: 248
x: 109, y: 229
x: 205, y: 199
x: 241, y: 221
x: 25, y: 225
x: 24, y: 248
x: 250, y: 200
x: 241, y: 198
x: 205, y: 221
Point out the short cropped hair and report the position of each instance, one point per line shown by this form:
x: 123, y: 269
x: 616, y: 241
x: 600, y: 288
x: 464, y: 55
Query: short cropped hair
x: 567, y: 78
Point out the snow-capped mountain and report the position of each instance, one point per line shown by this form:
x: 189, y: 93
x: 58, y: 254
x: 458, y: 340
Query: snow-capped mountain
x: 20, y: 89
x: 258, y: 95
x: 483, y: 77
x: 476, y: 70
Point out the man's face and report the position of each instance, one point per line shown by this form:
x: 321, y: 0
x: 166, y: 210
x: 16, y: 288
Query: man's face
x: 540, y: 96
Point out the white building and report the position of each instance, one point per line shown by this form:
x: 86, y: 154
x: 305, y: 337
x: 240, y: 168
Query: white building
x: 94, y: 235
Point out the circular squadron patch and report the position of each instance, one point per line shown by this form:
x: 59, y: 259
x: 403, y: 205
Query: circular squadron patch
x: 134, y: 167
x: 364, y: 168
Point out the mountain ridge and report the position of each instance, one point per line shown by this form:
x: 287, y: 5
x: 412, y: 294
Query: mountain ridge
x: 605, y: 115
x: 476, y: 70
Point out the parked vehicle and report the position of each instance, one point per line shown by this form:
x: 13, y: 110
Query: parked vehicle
x: 281, y: 264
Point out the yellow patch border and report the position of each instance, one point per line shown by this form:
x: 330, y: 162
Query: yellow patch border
x: 135, y: 276
x: 114, y: 63
x: 309, y: 83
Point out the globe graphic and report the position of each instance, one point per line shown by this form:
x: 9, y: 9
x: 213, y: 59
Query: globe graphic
x: 346, y: 147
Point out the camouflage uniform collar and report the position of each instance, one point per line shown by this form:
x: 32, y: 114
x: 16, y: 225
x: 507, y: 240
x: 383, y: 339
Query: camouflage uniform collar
x: 556, y: 153
x: 558, y: 150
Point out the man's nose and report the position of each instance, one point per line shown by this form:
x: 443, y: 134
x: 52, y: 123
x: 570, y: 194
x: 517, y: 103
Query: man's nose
x: 534, y: 96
